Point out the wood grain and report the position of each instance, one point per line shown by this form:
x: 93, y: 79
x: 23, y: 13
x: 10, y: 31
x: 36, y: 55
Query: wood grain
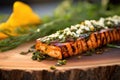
x: 14, y: 66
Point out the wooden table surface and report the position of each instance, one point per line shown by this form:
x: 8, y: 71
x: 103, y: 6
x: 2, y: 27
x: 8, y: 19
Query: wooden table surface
x: 13, y: 60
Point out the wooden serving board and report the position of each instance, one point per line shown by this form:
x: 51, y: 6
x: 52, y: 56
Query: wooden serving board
x: 104, y: 66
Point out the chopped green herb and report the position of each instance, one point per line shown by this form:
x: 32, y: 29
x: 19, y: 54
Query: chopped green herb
x: 92, y: 50
x: 88, y: 53
x: 34, y: 57
x: 52, y: 67
x: 29, y: 50
x: 39, y: 56
x: 109, y: 23
x: 23, y: 53
x: 61, y: 62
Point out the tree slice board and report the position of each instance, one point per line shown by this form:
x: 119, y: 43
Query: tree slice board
x: 14, y: 66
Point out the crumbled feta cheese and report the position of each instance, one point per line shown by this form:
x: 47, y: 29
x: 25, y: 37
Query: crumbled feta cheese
x: 87, y: 29
x: 106, y: 27
x: 87, y: 23
x: 61, y: 36
x: 67, y: 29
x: 82, y: 27
x: 68, y: 32
x: 77, y: 25
x: 73, y: 34
x: 73, y: 27
x: 91, y: 28
x: 79, y: 31
x: 108, y: 22
x: 101, y: 22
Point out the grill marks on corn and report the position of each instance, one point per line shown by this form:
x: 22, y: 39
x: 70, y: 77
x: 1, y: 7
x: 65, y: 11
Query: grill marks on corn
x: 96, y: 39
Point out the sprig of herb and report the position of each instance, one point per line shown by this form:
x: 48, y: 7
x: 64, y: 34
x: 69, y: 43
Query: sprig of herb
x: 113, y: 46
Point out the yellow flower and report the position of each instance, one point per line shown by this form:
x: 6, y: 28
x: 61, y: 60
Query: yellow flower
x: 22, y: 15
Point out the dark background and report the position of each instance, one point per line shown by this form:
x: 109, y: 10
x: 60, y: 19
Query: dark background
x: 9, y: 2
x: 42, y: 7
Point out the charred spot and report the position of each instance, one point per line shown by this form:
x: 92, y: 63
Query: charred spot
x: 105, y: 38
x: 87, y: 45
x: 95, y: 35
x: 99, y: 37
x: 65, y: 51
x: 102, y: 39
x: 111, y: 36
x: 73, y: 48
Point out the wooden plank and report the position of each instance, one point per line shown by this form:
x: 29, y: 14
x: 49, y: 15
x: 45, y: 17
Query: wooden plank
x: 22, y: 67
x: 14, y: 60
